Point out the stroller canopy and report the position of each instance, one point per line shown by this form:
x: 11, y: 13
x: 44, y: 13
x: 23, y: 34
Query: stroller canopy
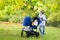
x: 27, y: 21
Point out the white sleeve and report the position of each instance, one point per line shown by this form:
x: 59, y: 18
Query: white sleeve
x: 44, y: 18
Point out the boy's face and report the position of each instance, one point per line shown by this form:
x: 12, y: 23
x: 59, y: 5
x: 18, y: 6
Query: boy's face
x: 40, y: 13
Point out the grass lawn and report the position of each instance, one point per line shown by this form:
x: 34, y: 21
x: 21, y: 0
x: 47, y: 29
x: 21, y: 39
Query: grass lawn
x: 12, y: 32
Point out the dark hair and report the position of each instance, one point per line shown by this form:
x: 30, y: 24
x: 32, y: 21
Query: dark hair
x: 35, y: 18
x: 42, y: 12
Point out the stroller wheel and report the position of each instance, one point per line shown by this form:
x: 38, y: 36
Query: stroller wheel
x: 27, y: 34
x: 37, y: 34
x: 22, y: 33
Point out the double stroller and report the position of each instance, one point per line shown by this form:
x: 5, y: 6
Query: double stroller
x: 29, y: 27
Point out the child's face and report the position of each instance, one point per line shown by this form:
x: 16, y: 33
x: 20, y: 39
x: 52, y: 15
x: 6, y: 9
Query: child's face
x: 35, y: 20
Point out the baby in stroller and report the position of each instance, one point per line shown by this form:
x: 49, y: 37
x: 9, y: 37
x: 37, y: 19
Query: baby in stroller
x: 29, y: 26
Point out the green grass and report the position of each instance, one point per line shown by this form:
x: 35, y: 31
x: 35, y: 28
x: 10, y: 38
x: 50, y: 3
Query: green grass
x: 12, y: 32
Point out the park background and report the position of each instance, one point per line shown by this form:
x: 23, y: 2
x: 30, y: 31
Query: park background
x: 12, y: 13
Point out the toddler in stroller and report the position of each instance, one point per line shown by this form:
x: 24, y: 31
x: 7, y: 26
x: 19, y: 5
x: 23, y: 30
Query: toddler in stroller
x: 29, y: 26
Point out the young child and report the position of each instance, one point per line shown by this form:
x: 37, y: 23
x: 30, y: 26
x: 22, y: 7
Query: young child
x: 35, y: 23
x: 42, y: 23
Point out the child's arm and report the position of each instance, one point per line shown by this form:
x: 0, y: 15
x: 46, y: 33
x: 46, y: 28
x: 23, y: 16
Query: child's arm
x: 44, y: 18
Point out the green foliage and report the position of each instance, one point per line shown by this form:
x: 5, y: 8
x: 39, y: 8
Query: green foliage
x: 16, y: 10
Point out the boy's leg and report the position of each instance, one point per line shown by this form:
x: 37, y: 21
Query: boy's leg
x: 42, y: 30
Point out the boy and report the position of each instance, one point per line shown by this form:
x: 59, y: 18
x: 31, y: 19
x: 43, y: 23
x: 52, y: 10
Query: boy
x: 42, y: 23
